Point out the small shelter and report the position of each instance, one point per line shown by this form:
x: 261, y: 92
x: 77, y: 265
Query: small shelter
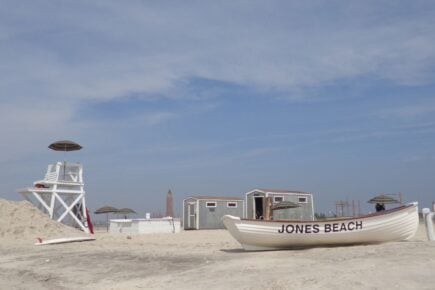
x: 292, y: 205
x: 206, y: 212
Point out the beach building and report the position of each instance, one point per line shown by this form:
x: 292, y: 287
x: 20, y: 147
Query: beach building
x: 206, y: 212
x: 145, y: 226
x: 256, y: 204
x: 148, y: 225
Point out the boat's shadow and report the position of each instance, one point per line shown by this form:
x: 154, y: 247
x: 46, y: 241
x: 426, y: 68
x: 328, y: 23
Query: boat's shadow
x: 234, y: 251
x: 241, y: 250
x: 305, y: 248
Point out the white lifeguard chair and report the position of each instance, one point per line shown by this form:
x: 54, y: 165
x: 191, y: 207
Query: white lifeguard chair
x: 61, y: 194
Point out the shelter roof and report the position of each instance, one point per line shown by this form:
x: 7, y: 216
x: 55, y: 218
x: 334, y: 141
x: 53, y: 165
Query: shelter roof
x: 279, y: 190
x: 208, y: 197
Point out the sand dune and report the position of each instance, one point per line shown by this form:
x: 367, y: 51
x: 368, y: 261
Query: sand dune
x: 21, y: 223
x: 205, y: 260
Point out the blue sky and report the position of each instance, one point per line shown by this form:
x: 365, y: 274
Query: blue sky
x: 336, y: 98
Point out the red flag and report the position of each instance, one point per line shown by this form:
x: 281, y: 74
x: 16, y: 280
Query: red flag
x: 88, y: 219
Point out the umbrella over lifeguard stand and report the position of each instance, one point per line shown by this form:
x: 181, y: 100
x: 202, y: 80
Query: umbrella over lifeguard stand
x: 61, y: 192
x: 65, y: 146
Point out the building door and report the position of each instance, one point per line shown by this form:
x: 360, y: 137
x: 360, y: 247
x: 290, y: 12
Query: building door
x: 191, y: 215
x: 258, y: 207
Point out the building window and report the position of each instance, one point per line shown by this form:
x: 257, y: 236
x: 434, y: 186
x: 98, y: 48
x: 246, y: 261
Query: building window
x: 277, y: 199
x: 302, y: 199
x: 210, y: 204
x: 232, y: 204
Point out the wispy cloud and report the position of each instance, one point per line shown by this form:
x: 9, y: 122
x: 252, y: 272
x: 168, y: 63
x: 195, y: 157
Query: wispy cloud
x: 149, y: 47
x: 157, y: 118
x: 407, y: 111
x: 188, y: 60
x: 416, y: 158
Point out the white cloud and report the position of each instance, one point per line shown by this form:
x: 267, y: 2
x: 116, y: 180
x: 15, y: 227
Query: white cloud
x: 57, y: 57
x: 31, y: 126
x: 114, y: 48
x: 407, y: 111
x: 418, y: 158
x: 157, y: 118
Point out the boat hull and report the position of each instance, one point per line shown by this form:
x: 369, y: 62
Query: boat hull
x: 392, y: 225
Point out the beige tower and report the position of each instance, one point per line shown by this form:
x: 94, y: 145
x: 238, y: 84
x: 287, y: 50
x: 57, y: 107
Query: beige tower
x: 169, y: 204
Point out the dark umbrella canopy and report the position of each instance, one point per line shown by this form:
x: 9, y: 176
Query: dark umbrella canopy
x: 106, y: 209
x: 284, y: 205
x: 125, y: 211
x: 382, y: 198
x: 65, y: 145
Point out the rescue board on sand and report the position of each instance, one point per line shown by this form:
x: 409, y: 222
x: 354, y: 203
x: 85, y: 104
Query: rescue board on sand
x: 41, y: 242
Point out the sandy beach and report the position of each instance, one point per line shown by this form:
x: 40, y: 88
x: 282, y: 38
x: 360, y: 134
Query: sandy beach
x: 207, y: 259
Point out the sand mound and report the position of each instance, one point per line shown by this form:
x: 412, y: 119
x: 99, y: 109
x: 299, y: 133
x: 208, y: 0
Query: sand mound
x: 22, y: 222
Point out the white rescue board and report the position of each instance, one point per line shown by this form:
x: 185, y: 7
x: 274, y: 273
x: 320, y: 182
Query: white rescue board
x: 63, y: 240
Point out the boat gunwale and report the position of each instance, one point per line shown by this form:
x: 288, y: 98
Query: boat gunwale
x: 375, y: 214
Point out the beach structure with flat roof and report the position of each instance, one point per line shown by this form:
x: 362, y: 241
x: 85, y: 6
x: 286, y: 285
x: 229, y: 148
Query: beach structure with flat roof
x: 145, y: 226
x: 255, y: 201
x: 206, y: 212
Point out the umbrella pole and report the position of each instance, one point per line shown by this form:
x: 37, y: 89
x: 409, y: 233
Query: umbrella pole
x: 64, y: 162
x: 107, y: 221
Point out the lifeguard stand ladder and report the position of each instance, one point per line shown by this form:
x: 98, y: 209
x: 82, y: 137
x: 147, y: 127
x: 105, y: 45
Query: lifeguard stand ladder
x: 61, y: 194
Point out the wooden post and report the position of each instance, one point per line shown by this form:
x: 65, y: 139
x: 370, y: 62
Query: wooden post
x: 268, y: 210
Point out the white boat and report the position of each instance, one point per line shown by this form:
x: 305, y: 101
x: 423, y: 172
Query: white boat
x: 396, y: 224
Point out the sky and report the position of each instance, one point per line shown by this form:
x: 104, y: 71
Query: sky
x: 336, y: 98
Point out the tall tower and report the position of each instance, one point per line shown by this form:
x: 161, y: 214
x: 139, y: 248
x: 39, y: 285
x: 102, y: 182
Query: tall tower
x: 169, y: 204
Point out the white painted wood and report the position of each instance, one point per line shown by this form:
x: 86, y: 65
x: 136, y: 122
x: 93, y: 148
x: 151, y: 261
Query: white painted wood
x: 392, y: 225
x: 197, y: 214
x: 61, y: 193
x: 64, y: 240
x: 428, y: 219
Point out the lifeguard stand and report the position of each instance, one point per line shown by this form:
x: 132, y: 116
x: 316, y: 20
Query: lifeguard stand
x: 61, y: 194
